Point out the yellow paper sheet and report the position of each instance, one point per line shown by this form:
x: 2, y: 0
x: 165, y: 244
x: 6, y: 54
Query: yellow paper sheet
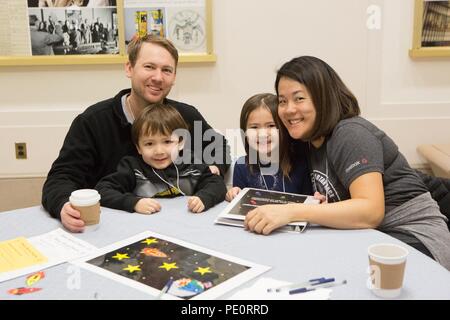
x: 18, y: 253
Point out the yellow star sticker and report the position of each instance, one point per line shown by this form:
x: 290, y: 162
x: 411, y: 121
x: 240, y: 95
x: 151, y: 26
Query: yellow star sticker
x: 132, y: 269
x: 168, y: 266
x: 121, y: 256
x: 150, y: 241
x: 202, y: 271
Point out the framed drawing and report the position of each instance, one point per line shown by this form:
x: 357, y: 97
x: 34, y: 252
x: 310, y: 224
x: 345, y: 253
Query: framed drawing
x: 56, y: 32
x: 431, y: 36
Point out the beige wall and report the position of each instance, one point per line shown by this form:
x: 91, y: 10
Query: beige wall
x: 252, y: 38
x: 20, y: 192
x: 409, y: 99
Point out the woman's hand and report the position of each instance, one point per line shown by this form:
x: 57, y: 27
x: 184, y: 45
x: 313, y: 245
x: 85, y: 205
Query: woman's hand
x: 147, y: 206
x: 267, y: 218
x: 195, y: 205
x: 232, y: 193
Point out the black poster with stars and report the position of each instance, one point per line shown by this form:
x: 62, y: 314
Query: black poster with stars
x: 156, y: 262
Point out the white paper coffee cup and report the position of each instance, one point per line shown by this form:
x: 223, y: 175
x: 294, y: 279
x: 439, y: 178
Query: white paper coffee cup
x: 387, y: 267
x: 87, y: 202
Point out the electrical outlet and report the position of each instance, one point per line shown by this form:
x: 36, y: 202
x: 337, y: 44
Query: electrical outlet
x: 21, y: 150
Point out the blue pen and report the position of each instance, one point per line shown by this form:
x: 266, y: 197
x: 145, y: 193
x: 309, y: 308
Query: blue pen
x: 318, y: 286
x: 314, y: 283
x: 302, y: 284
x: 165, y: 289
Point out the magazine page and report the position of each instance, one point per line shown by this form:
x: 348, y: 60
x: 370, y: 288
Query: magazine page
x: 249, y: 198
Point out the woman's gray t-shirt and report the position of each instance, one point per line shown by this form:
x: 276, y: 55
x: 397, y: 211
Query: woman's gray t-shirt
x: 357, y: 147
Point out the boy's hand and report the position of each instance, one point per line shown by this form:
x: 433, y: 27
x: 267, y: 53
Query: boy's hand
x: 195, y: 205
x: 214, y: 170
x: 232, y: 193
x: 147, y: 206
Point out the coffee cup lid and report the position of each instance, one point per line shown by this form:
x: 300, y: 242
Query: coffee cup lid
x: 84, y: 197
x: 387, y: 252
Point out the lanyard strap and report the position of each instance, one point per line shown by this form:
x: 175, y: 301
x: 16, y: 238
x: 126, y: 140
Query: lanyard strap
x: 168, y: 183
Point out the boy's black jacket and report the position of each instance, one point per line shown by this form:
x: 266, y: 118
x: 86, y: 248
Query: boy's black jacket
x: 134, y: 179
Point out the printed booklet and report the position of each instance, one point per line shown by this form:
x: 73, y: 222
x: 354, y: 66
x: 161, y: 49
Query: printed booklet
x: 249, y: 198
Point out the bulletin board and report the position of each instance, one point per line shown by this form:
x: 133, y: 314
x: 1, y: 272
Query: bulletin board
x: 70, y: 32
x: 431, y: 37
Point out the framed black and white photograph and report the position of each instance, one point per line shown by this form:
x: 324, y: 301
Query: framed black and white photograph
x: 71, y: 3
x: 431, y: 29
x: 73, y: 31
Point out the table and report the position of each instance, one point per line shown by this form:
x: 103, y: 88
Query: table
x: 293, y: 257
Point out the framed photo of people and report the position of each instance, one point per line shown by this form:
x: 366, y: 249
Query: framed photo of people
x: 56, y: 32
x: 431, y: 36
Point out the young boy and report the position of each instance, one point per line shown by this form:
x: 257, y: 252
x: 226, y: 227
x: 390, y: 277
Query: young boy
x: 138, y: 180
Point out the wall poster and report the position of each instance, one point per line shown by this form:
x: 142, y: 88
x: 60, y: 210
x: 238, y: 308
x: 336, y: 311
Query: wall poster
x: 47, y: 32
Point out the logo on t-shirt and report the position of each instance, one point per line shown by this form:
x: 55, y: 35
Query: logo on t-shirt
x: 322, y: 184
x: 355, y: 164
x: 352, y: 166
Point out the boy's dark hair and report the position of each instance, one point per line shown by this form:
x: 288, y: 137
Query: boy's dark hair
x: 134, y: 47
x: 332, y: 99
x: 157, y: 118
x: 269, y: 101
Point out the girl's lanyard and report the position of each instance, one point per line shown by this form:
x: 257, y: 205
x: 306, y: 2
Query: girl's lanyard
x: 264, y: 180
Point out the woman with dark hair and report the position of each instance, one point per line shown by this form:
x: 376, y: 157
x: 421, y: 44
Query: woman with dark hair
x: 365, y: 180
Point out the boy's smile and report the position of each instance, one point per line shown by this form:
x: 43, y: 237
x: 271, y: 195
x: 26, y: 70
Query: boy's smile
x: 159, y: 150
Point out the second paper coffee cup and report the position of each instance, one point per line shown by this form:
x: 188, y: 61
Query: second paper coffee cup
x: 87, y: 202
x: 387, y: 265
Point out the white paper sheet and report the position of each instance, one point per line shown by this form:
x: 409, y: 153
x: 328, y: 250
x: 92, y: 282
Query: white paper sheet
x: 58, y: 246
x: 258, y: 291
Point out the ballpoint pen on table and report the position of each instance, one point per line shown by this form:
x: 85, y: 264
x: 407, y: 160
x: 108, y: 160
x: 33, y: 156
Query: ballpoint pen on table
x: 165, y: 289
x: 302, y: 284
x: 319, y: 286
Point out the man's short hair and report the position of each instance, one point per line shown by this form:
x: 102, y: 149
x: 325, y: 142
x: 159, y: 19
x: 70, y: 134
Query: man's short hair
x: 134, y: 47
